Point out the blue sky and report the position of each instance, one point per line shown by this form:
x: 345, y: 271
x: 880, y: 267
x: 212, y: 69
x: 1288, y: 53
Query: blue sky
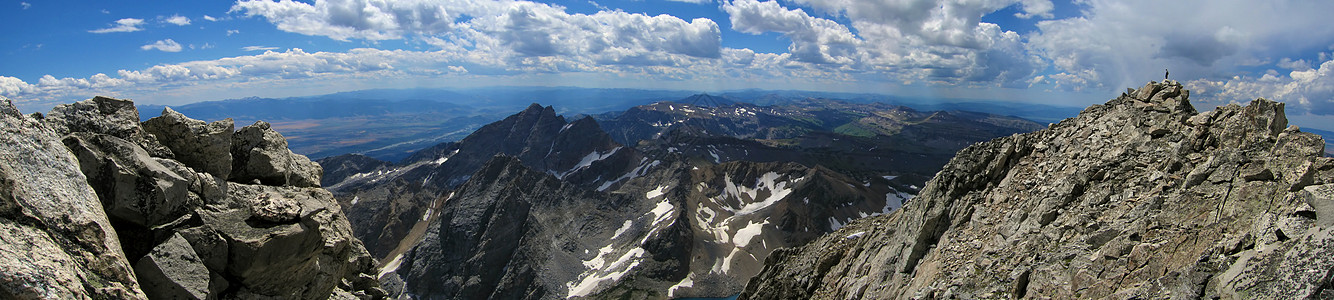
x: 1057, y: 52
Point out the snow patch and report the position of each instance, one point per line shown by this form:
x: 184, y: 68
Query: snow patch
x: 767, y: 182
x: 856, y: 235
x: 655, y: 192
x: 624, y: 227
x: 355, y: 199
x: 589, y: 160
x: 685, y: 283
x: 591, y: 282
x: 391, y: 266
x: 744, y: 235
x: 638, y: 171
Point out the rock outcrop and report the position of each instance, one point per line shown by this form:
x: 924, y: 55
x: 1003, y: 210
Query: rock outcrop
x: 1141, y: 197
x: 195, y: 143
x: 87, y: 192
x: 261, y: 154
x: 55, y: 239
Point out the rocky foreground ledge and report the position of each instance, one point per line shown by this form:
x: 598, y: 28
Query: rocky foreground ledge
x: 1138, y: 198
x: 96, y: 205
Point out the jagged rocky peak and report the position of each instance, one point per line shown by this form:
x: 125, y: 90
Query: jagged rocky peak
x: 101, y: 207
x: 1141, y: 197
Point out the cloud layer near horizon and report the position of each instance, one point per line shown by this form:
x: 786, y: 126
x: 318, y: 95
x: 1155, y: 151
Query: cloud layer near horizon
x: 1227, y: 52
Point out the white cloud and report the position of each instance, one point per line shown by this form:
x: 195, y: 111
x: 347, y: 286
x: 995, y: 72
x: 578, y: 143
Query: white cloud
x: 1312, y: 90
x: 516, y: 29
x: 814, y: 40
x: 13, y: 86
x: 230, y: 32
x: 210, y: 18
x: 166, y: 45
x: 258, y: 48
x: 123, y: 25
x: 902, y: 41
x: 177, y: 20
x: 1122, y: 43
x: 693, y: 1
x: 348, y: 19
x: 1036, y: 8
x: 25, y: 5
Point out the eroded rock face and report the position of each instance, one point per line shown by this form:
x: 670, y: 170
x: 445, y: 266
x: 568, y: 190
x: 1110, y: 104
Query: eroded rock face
x: 75, y: 217
x: 259, y: 153
x: 1141, y: 197
x: 115, y: 117
x: 204, y: 146
x: 55, y: 240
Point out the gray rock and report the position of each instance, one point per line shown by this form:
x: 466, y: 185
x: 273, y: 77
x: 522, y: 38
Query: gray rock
x: 204, y: 146
x: 57, y: 242
x: 259, y: 153
x: 132, y: 185
x: 302, y: 258
x: 275, y: 208
x: 115, y: 117
x: 173, y: 271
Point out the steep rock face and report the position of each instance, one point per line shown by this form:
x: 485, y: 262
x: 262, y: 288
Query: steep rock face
x: 1141, y: 197
x: 187, y: 233
x: 514, y: 233
x: 386, y: 203
x: 55, y: 239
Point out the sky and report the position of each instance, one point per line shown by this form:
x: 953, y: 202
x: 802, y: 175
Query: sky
x: 1073, y: 53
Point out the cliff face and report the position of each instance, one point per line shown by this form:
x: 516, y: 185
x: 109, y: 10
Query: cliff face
x: 1141, y: 197
x: 95, y: 205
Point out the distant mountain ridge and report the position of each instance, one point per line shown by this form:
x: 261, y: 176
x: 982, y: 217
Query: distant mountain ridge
x: 390, y: 124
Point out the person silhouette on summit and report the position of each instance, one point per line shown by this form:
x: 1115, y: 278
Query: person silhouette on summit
x: 1165, y: 72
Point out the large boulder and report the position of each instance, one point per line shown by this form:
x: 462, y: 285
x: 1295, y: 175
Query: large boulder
x: 173, y: 271
x: 55, y: 240
x: 133, y: 186
x: 271, y: 252
x: 111, y: 116
x: 204, y: 146
x: 260, y: 153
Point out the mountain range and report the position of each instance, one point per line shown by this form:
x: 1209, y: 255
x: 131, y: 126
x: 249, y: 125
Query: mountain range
x: 703, y: 196
x: 662, y: 200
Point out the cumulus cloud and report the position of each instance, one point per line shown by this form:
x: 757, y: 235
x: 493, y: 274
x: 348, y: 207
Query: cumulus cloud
x: 901, y: 41
x: 1120, y: 43
x: 177, y: 20
x: 25, y: 5
x: 814, y: 40
x: 210, y: 18
x: 123, y: 25
x: 166, y: 45
x: 1311, y: 89
x: 520, y: 28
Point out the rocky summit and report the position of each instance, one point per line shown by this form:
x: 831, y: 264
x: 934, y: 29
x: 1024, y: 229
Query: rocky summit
x: 96, y: 205
x: 1139, y: 198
